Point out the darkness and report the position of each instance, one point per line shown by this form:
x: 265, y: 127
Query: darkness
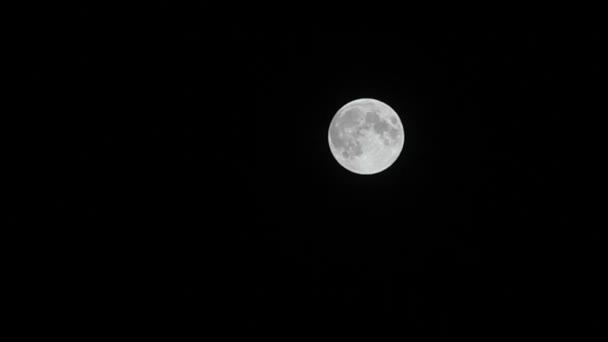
x: 191, y: 178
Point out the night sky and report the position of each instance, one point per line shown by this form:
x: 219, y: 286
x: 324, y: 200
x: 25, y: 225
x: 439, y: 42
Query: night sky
x: 193, y: 169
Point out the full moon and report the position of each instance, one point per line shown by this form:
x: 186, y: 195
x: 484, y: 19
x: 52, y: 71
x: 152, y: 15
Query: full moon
x: 366, y: 136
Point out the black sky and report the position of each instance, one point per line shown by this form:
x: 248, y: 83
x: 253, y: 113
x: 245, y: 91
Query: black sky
x: 191, y: 157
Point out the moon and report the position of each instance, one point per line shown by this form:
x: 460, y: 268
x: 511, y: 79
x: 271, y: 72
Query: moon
x: 366, y: 136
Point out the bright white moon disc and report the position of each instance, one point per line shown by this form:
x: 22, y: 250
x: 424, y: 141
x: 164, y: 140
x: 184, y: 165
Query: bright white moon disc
x: 366, y: 136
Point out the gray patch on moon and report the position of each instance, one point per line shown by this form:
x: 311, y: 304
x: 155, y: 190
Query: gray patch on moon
x: 352, y: 117
x: 382, y: 127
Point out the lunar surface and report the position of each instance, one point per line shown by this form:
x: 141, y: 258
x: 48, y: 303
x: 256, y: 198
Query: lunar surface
x: 366, y: 136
